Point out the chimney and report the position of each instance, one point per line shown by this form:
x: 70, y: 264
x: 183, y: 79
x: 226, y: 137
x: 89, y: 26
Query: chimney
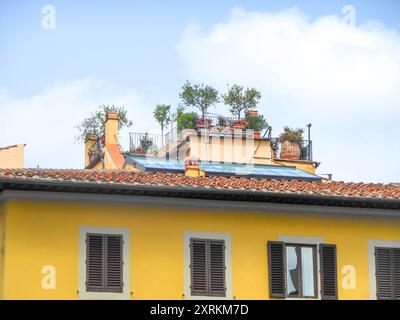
x: 111, y: 128
x: 91, y: 148
x: 326, y: 176
x: 192, y: 168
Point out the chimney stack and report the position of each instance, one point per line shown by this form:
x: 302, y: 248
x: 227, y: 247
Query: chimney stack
x: 111, y: 128
x: 192, y: 168
x: 91, y: 148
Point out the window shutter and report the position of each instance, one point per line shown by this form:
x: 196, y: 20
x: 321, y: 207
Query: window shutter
x: 328, y: 269
x: 277, y: 269
x: 94, y: 262
x: 113, y: 265
x: 216, y: 268
x: 384, y: 273
x: 198, y: 267
x: 396, y: 273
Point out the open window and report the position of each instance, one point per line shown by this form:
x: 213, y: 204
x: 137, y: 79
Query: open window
x: 301, y: 271
x: 293, y: 270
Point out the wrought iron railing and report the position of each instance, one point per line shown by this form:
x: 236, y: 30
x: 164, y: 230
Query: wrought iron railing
x: 214, y: 120
x: 214, y: 125
x: 143, y: 143
x: 306, y: 152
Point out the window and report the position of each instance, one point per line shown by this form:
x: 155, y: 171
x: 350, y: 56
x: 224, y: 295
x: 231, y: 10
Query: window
x: 104, y: 263
x: 293, y: 270
x: 387, y: 262
x: 207, y: 264
x: 301, y: 271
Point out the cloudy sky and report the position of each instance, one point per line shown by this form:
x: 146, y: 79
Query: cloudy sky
x: 335, y: 65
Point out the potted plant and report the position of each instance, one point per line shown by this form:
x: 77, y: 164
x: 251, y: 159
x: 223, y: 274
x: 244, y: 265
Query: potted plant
x: 256, y: 123
x: 199, y: 96
x: 187, y: 121
x: 162, y: 113
x: 222, y: 122
x: 291, y: 143
x: 204, y: 123
x: 240, y: 99
x: 145, y: 143
x: 139, y: 151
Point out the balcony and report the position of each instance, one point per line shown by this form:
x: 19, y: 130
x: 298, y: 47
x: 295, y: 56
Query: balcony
x: 306, y: 151
x: 212, y: 126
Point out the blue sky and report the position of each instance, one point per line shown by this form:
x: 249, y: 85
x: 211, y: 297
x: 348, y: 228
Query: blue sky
x: 139, y: 53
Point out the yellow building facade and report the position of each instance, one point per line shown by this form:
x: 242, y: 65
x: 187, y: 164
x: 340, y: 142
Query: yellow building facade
x: 42, y: 236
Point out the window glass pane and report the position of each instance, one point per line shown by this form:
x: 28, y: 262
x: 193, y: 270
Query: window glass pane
x: 307, y: 268
x: 292, y: 271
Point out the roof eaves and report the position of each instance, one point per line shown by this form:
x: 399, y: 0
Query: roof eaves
x: 198, y: 193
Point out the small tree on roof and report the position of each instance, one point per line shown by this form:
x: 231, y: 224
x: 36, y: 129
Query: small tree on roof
x: 200, y: 96
x: 95, y: 123
x: 162, y: 115
x: 240, y: 99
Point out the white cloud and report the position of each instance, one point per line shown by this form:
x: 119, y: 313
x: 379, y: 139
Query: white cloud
x: 45, y: 121
x: 343, y: 79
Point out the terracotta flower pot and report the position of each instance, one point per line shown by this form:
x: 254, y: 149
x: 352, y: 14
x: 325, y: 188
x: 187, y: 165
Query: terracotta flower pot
x: 140, y: 151
x: 290, y: 150
x: 256, y: 134
x: 239, y: 124
x: 253, y: 113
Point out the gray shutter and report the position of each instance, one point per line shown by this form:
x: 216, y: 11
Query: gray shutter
x: 277, y: 269
x: 216, y: 250
x: 198, y: 267
x: 383, y: 273
x: 94, y: 262
x: 328, y: 261
x: 396, y: 273
x: 113, y: 263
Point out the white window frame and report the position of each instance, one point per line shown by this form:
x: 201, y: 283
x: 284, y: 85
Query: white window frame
x: 186, y: 263
x: 372, y: 244
x: 308, y: 241
x: 126, y: 293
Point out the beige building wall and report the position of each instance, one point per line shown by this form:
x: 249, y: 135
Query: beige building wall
x: 12, y: 157
x: 230, y: 149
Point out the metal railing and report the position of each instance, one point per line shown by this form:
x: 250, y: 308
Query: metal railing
x: 306, y: 152
x: 213, y: 125
x: 142, y: 143
x: 214, y: 120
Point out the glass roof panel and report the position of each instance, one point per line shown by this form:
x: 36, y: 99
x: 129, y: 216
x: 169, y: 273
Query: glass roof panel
x: 230, y: 169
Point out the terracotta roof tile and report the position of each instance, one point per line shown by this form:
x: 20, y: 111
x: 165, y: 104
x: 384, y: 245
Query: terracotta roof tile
x: 332, y: 188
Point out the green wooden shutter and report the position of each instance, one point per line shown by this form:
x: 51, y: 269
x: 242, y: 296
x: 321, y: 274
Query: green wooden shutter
x: 94, y: 262
x: 198, y: 267
x: 216, y: 266
x: 113, y: 263
x: 328, y: 268
x: 277, y: 269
